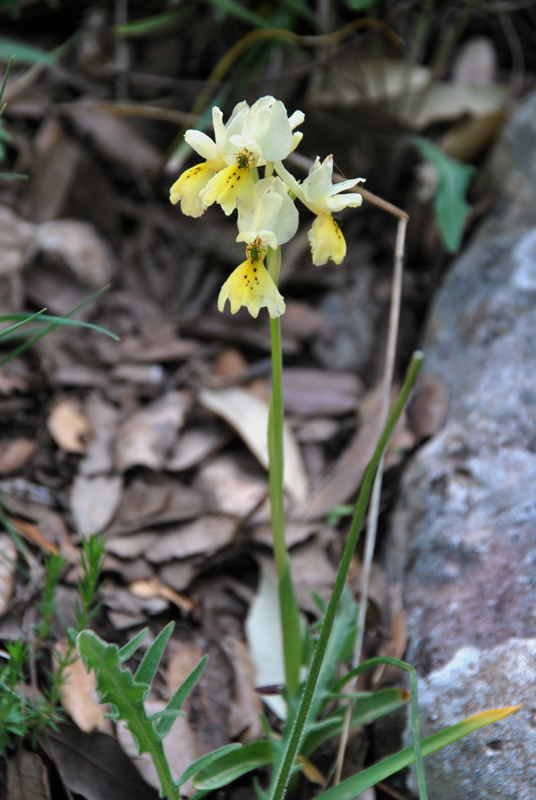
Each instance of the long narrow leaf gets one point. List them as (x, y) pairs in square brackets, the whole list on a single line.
[(367, 709), (147, 669), (206, 761), (350, 788), (173, 708), (130, 648), (234, 765), (25, 318)]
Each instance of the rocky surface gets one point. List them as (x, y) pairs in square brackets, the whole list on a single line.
[(463, 538)]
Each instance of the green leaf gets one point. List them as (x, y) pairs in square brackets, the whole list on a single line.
[(116, 685), (23, 52), (173, 708), (130, 648), (235, 764), (368, 707), (360, 5), (450, 205), (147, 669), (148, 25), (348, 789), (205, 761)]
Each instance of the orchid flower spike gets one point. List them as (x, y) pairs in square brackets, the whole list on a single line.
[(324, 198), (250, 285), (218, 154)]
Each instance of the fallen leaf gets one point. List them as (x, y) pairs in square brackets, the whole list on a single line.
[(95, 766), (312, 571), (429, 405), (265, 641), (31, 533), (155, 500), (69, 426), (193, 446), (131, 546), (248, 415), (79, 695), (77, 246), (103, 419), (205, 535), (229, 489), (445, 102), (151, 587), (244, 718), (316, 392), (116, 139), (14, 454), (8, 564), (94, 501), (27, 777), (148, 436), (475, 62)]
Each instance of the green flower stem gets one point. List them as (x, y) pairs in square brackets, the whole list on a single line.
[(290, 618), (283, 769)]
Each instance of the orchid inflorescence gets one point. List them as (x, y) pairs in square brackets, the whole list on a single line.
[(262, 135)]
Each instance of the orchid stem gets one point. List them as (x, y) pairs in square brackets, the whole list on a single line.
[(290, 618)]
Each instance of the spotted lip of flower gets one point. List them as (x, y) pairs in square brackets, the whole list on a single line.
[(250, 285), (218, 155)]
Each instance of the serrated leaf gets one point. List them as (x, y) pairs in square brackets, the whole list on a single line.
[(147, 669), (351, 787), (450, 205), (173, 708), (130, 648), (234, 764)]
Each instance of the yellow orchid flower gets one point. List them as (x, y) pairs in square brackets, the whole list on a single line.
[(250, 285), (266, 135), (323, 198), (218, 154)]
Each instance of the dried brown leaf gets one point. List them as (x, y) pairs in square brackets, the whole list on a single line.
[(229, 489), (69, 426), (94, 501), (148, 436), (193, 446), (315, 392), (246, 706), (151, 588), (248, 415), (429, 405), (27, 777), (95, 766), (8, 563), (79, 695), (205, 535), (14, 454)]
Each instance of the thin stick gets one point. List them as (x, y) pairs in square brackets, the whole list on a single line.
[(372, 520)]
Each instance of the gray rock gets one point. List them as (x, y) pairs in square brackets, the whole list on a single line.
[(463, 537)]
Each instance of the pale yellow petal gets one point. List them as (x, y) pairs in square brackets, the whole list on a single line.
[(231, 187), (188, 187), (250, 285), (326, 240)]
